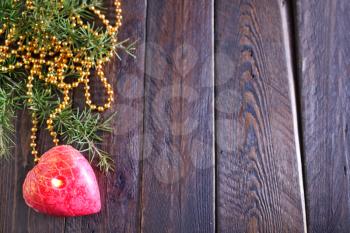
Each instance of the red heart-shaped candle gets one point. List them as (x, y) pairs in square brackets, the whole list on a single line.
[(62, 184)]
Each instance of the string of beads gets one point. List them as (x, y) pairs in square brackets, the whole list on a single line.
[(59, 57)]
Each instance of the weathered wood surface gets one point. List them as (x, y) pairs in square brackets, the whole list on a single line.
[(178, 159), (15, 216), (191, 159), (324, 87), (120, 190), (258, 173)]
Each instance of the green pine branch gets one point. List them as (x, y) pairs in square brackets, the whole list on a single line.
[(11, 88), (81, 128), (7, 114)]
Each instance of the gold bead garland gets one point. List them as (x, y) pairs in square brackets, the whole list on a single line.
[(59, 57)]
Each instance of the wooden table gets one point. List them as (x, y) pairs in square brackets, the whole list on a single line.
[(234, 117)]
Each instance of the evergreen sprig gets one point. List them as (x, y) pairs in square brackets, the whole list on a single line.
[(7, 114), (11, 90), (81, 128)]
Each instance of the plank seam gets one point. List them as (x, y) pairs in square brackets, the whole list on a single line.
[(293, 95), (143, 124), (214, 149)]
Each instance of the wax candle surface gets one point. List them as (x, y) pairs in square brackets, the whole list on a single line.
[(62, 184)]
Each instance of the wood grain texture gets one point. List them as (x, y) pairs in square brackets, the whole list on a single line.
[(123, 187), (323, 69), (119, 190), (15, 216), (258, 179), (178, 158), (38, 222)]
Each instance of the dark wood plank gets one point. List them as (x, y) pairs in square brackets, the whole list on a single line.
[(13, 172), (39, 222), (12, 175), (15, 216), (324, 67), (120, 189), (178, 171), (259, 180), (123, 187)]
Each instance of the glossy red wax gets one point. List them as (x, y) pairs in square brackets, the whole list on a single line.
[(62, 184)]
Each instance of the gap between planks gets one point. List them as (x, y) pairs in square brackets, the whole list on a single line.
[(285, 16)]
